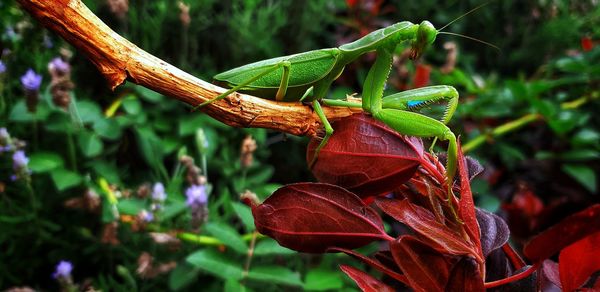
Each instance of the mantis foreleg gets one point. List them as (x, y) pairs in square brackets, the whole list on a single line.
[(405, 122)]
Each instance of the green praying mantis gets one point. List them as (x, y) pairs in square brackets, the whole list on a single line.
[(307, 77)]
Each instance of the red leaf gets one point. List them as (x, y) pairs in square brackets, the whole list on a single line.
[(435, 234), (466, 205), (351, 3), (465, 276), (312, 217), (373, 263), (366, 157), (425, 268), (551, 273), (494, 231), (578, 261), (566, 232), (587, 44), (365, 281), (421, 78)]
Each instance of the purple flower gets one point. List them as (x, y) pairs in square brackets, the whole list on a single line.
[(2, 67), (63, 270), (196, 195), (58, 65), (4, 134), (20, 160), (146, 216), (48, 42), (31, 80), (158, 192)]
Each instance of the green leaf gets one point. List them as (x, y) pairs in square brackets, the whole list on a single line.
[(234, 286), (183, 275), (107, 128), (580, 154), (149, 95), (172, 209), (89, 112), (275, 274), (60, 122), (64, 179), (44, 161), (268, 246), (89, 143), (131, 206), (106, 170), (215, 263), (19, 112), (586, 136), (132, 105), (582, 174), (227, 235), (321, 279), (245, 214), (149, 146)]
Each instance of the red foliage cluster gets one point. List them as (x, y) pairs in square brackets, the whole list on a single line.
[(449, 245)]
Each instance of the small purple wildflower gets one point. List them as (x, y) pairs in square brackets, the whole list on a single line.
[(10, 32), (48, 42), (31, 80), (63, 270), (196, 196), (20, 160), (57, 64), (4, 135), (146, 216), (2, 67), (158, 192)]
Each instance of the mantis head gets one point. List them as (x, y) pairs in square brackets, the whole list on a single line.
[(426, 34)]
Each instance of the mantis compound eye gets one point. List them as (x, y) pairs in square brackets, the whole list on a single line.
[(426, 34)]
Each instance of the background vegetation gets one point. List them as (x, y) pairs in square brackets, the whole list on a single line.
[(83, 189)]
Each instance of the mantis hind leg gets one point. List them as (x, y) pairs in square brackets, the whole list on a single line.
[(328, 130), (286, 65)]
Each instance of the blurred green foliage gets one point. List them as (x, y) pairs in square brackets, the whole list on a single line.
[(135, 137)]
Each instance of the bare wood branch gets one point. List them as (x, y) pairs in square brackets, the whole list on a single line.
[(119, 60)]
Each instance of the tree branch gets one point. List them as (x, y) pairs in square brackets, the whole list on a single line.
[(119, 60)]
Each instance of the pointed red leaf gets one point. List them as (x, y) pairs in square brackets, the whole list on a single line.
[(312, 217), (494, 231), (465, 276), (466, 205), (364, 281), (422, 221), (425, 268), (566, 232), (551, 273), (578, 261), (373, 263), (366, 157)]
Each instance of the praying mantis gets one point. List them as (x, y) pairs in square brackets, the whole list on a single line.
[(308, 76)]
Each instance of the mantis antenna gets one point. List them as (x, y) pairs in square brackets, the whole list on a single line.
[(471, 38), (464, 36), (465, 14)]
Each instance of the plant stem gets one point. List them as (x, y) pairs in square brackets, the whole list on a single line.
[(513, 278), (500, 130), (71, 149), (211, 241)]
